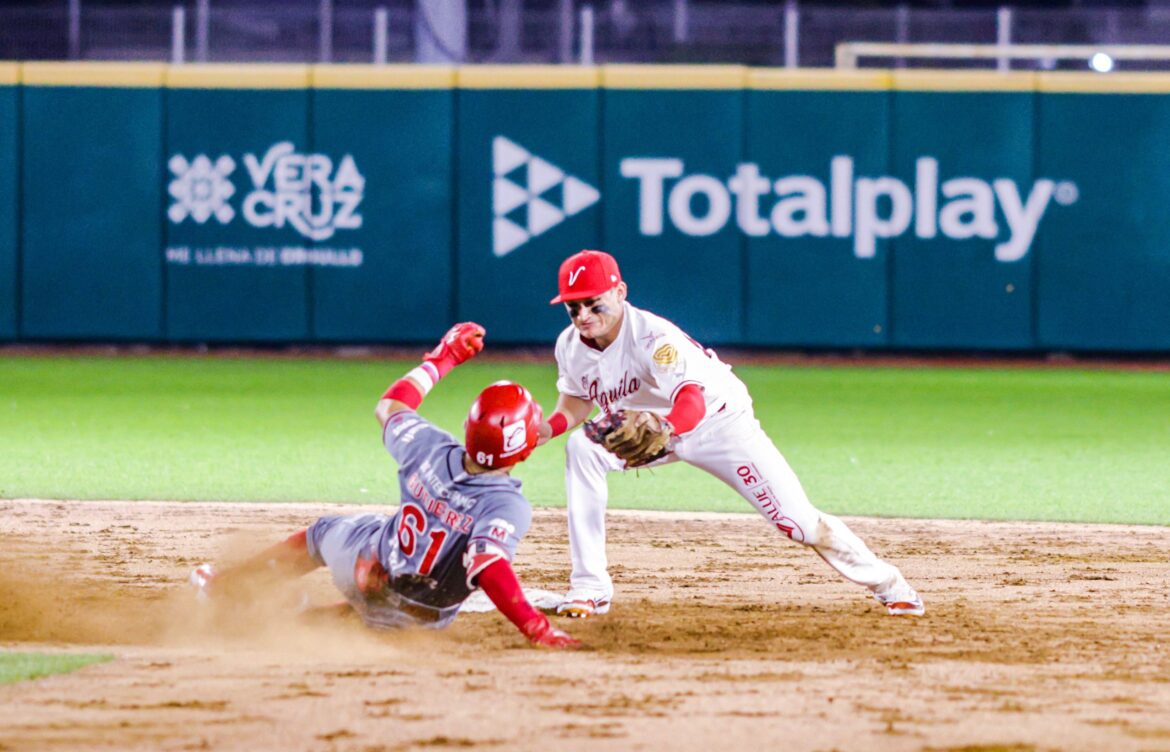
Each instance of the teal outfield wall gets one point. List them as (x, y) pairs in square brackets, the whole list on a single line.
[(91, 227), (908, 210), (9, 201)]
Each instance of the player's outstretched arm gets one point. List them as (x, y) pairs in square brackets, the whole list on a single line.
[(570, 412), (461, 343), (499, 581)]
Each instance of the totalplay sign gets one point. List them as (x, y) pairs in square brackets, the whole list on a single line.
[(864, 208)]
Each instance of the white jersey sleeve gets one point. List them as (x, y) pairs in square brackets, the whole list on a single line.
[(670, 359), (673, 362)]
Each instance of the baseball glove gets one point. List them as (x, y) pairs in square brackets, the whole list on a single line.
[(636, 436)]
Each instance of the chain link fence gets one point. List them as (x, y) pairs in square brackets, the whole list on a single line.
[(548, 31)]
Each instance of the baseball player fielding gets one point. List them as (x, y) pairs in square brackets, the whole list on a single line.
[(665, 398)]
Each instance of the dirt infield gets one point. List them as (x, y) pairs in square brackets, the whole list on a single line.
[(723, 636)]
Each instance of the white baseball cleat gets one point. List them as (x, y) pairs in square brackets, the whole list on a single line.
[(201, 578), (902, 603), (579, 607)]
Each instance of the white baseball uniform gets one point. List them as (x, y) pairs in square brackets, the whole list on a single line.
[(643, 369)]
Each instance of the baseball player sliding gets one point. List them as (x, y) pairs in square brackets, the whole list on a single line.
[(663, 398), (458, 525)]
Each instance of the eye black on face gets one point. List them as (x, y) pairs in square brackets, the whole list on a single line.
[(593, 305)]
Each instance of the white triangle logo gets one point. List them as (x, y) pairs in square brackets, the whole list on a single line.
[(542, 215), (578, 196), (541, 176), (506, 155), (507, 236), (506, 196)]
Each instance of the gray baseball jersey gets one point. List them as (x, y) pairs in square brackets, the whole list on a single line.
[(449, 527)]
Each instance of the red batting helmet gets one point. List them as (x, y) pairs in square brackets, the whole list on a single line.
[(501, 426)]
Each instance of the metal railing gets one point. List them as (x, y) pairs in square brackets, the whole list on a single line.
[(554, 31), (849, 54)]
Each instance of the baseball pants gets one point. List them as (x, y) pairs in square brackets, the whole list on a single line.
[(734, 448), (336, 542)]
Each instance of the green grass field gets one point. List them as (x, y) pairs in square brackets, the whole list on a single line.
[(16, 667), (1045, 444)]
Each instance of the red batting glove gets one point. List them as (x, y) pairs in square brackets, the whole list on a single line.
[(459, 344), (541, 632)]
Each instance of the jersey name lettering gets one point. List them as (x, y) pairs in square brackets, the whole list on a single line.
[(438, 507), (605, 398), (453, 496)]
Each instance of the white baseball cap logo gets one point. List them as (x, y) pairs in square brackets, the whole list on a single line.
[(573, 275)]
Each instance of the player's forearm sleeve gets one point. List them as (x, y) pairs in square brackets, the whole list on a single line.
[(558, 423), (500, 583), (405, 391), (689, 408)]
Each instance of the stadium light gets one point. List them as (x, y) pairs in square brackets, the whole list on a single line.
[(1101, 62)]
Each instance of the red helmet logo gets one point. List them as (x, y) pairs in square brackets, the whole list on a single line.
[(502, 425)]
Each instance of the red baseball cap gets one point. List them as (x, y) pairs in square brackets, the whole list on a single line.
[(586, 275)]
